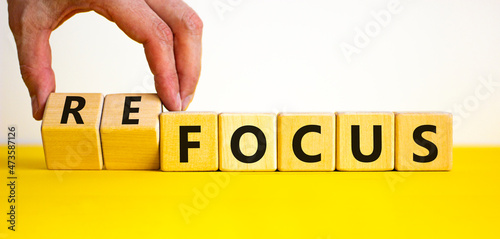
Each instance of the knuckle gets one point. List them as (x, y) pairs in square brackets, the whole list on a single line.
[(193, 22), (28, 20), (13, 23), (17, 19), (13, 26), (166, 80), (27, 72), (164, 33), (30, 73)]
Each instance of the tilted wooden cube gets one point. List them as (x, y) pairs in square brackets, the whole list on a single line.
[(189, 141), (306, 142), (247, 142), (70, 131), (130, 131), (424, 141), (365, 141)]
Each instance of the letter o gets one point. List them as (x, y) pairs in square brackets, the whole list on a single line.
[(261, 144)]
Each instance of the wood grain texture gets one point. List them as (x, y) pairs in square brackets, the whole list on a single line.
[(133, 145), (320, 143), (202, 158), (229, 123), (346, 160), (406, 146), (72, 145)]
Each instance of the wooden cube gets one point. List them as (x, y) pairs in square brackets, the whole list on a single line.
[(365, 141), (424, 141), (70, 131), (306, 142), (247, 142), (189, 141), (130, 131)]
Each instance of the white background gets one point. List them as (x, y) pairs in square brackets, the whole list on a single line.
[(275, 56)]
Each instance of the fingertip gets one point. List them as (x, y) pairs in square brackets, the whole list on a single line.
[(167, 88), (171, 101), (178, 102), (186, 102), (35, 108), (38, 103)]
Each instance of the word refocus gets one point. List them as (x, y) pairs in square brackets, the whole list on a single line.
[(130, 132)]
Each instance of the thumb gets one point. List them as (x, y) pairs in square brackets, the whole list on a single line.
[(35, 58)]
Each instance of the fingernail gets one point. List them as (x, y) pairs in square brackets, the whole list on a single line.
[(179, 102), (34, 105), (186, 102)]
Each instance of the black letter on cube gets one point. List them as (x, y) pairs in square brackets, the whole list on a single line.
[(127, 110), (297, 144), (184, 144), (68, 110), (261, 144), (433, 150), (377, 144)]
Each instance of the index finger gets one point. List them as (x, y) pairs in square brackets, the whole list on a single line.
[(187, 28), (143, 25)]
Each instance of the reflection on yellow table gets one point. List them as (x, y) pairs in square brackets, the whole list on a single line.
[(464, 202)]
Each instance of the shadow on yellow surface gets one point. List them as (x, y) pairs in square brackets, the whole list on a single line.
[(152, 204)]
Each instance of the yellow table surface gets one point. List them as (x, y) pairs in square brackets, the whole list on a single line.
[(464, 202)]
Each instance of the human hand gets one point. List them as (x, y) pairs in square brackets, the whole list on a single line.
[(169, 30)]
